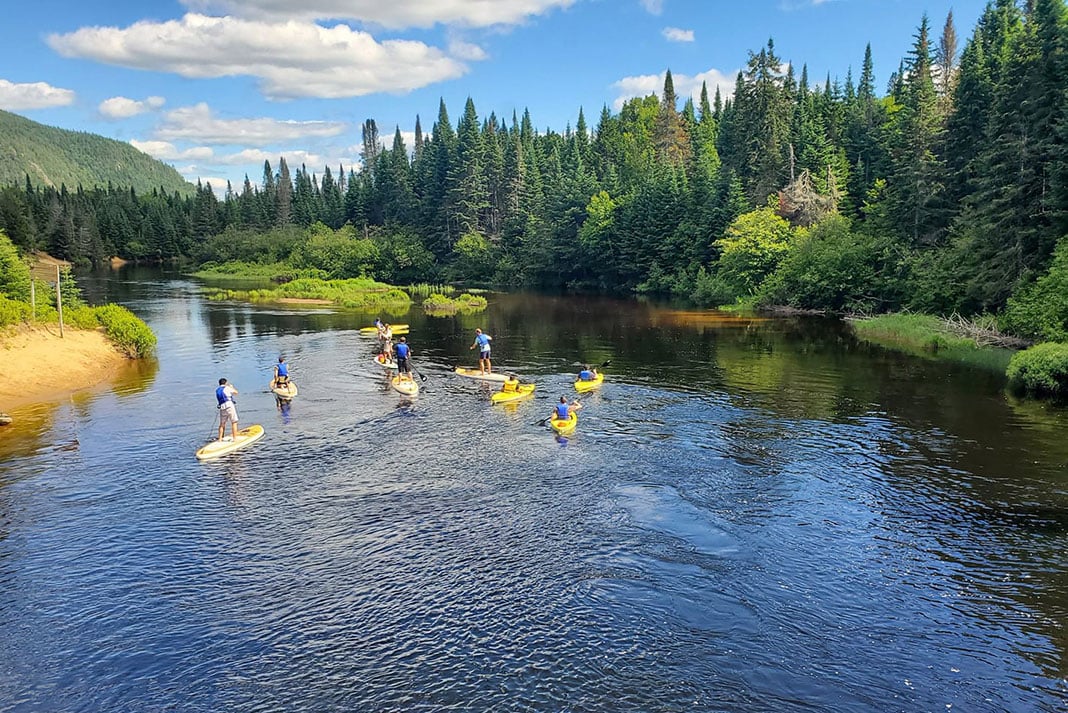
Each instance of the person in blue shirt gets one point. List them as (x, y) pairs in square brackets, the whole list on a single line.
[(482, 341), (587, 374), (563, 410), (402, 351), (281, 372), (227, 409)]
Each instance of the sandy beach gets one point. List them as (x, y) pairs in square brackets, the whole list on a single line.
[(39, 366)]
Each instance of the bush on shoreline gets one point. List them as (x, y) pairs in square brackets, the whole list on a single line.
[(1041, 370), (437, 305)]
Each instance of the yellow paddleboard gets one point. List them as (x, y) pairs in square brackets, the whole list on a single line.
[(284, 392), (395, 327), (245, 437), (403, 384)]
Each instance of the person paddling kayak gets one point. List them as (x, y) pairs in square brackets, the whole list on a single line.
[(587, 373), (563, 410)]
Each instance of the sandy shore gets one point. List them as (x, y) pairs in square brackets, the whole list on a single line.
[(40, 366)]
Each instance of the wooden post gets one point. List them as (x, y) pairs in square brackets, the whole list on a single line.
[(33, 299), (59, 303)]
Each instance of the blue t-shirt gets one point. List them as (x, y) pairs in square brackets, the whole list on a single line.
[(402, 350), (283, 370), (586, 375), (562, 411), (483, 342)]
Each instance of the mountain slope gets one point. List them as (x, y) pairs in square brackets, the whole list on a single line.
[(54, 156)]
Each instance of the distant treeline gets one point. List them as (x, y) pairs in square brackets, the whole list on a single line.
[(947, 192)]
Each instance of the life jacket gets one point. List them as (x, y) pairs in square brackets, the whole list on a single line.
[(221, 395), (282, 369), (586, 375), (510, 385), (562, 412)]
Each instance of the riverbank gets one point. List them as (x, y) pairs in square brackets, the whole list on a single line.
[(39, 365), (930, 337)]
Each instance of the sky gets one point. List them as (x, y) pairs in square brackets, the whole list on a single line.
[(216, 87)]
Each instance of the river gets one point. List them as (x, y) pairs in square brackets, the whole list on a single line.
[(752, 515)]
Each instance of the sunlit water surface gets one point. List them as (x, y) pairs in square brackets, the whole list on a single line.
[(753, 515)]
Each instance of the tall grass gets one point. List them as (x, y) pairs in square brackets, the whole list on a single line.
[(929, 337)]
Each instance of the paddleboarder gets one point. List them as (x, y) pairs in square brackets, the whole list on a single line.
[(403, 351), (482, 341), (227, 409)]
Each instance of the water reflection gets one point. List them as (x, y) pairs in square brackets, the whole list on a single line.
[(749, 514)]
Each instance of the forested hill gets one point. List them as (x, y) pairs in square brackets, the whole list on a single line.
[(54, 157)]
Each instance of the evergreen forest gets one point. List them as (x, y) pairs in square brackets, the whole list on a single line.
[(944, 191)]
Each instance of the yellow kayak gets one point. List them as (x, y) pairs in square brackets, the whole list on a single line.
[(397, 329), (521, 392), (593, 383), (220, 448), (403, 384), (564, 425)]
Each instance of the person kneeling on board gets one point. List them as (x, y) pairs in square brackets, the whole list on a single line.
[(227, 409)]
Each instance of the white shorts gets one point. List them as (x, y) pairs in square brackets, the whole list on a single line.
[(227, 413)]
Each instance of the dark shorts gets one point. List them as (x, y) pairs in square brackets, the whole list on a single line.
[(402, 364)]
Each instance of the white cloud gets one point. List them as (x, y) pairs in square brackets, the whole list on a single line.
[(654, 7), (124, 108), (396, 14), (35, 95), (674, 34), (198, 124), (466, 51), (646, 84), (166, 151), (291, 59)]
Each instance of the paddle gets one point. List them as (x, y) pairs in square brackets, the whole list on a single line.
[(412, 368)]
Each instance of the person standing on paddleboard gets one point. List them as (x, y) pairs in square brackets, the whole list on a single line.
[(482, 341), (403, 351), (227, 408)]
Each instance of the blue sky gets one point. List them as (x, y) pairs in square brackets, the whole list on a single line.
[(214, 87)]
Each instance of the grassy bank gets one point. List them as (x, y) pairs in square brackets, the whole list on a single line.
[(356, 293), (437, 305), (930, 338)]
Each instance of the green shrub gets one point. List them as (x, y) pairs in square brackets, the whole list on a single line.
[(1040, 310), (126, 330), (831, 268), (13, 312), (1041, 370), (81, 317), (14, 273)]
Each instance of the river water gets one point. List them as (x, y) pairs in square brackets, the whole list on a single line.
[(752, 515)]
